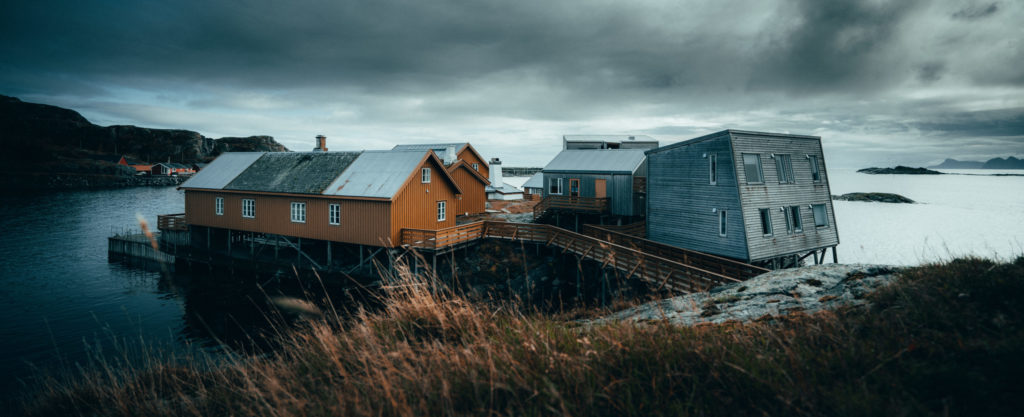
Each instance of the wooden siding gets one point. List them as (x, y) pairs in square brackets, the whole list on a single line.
[(773, 196), (362, 221), (680, 199), (619, 189), (470, 158), (474, 193), (415, 207)]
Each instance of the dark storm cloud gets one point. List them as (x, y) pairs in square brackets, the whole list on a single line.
[(976, 11)]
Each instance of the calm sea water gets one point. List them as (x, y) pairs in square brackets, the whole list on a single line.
[(60, 300)]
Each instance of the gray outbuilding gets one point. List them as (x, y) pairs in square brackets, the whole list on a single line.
[(583, 175), (758, 197)]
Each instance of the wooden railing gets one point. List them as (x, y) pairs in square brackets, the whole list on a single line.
[(442, 238), (657, 271), (724, 266), (574, 204), (171, 222), (638, 229)]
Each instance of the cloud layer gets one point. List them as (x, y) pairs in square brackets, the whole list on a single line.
[(930, 79)]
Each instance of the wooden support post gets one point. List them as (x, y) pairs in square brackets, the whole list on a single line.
[(579, 291), (277, 245), (252, 245), (298, 252), (229, 242), (328, 255), (433, 273), (816, 257), (360, 254), (207, 238), (835, 257), (577, 220)]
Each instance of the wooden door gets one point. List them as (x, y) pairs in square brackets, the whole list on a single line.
[(574, 187), (600, 188)]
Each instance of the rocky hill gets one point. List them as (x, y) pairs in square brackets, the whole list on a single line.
[(41, 140), (899, 170), (994, 163)]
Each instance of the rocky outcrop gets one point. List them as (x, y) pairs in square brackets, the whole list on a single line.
[(873, 197), (808, 289), (950, 163), (899, 170)]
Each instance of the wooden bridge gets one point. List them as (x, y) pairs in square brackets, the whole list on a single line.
[(663, 268)]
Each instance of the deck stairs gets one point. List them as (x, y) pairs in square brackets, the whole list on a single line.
[(662, 268)]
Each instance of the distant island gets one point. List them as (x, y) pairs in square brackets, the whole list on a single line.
[(994, 163), (899, 170), (49, 147), (873, 198)]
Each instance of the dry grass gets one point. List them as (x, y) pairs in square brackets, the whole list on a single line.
[(947, 339)]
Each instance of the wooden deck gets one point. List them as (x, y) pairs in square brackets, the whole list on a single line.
[(171, 222), (572, 204), (661, 272)]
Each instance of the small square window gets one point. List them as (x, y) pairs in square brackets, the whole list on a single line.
[(298, 212), (820, 215), (442, 212), (752, 168), (476, 166), (424, 175), (555, 186), (784, 167), (794, 224), (334, 214)]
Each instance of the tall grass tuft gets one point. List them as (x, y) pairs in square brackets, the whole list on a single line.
[(945, 339)]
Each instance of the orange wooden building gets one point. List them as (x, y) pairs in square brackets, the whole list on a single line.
[(363, 198), (468, 169)]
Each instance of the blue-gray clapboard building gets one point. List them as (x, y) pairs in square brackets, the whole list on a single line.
[(759, 197), (585, 174)]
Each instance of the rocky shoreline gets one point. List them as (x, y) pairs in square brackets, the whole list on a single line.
[(71, 181)]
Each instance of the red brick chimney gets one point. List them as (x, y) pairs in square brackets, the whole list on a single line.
[(321, 143)]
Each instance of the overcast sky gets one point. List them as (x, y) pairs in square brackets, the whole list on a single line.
[(882, 82)]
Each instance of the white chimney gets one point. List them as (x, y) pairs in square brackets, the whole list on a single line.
[(449, 155), (496, 173)]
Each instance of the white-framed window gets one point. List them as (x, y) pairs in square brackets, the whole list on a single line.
[(298, 212), (722, 222), (334, 214), (476, 166), (713, 168), (248, 208), (752, 168), (425, 175), (815, 170), (218, 206), (555, 186), (820, 215), (784, 167), (442, 210), (766, 221), (794, 223)]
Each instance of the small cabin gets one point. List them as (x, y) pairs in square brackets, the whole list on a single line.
[(759, 197), (363, 198), (466, 167), (606, 180), (534, 187)]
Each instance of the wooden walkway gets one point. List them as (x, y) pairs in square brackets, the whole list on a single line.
[(661, 272)]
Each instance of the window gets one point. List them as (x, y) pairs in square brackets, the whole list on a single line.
[(298, 212), (248, 208), (713, 168), (794, 224), (766, 222), (555, 186), (476, 166), (441, 211), (721, 222), (334, 214), (425, 175), (784, 166), (752, 168), (820, 217), (815, 171), (218, 206)]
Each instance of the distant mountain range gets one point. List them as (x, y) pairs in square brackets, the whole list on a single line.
[(994, 163), (40, 140)]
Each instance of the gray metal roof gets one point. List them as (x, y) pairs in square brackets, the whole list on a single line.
[(605, 161), (377, 174), (535, 181), (438, 148), (293, 172), (505, 189), (608, 138), (222, 170), (730, 132)]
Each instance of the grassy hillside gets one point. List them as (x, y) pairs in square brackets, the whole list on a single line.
[(944, 340)]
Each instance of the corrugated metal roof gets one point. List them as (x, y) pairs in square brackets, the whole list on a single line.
[(377, 174), (438, 148), (608, 138), (536, 181), (293, 172), (222, 170), (597, 160)]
